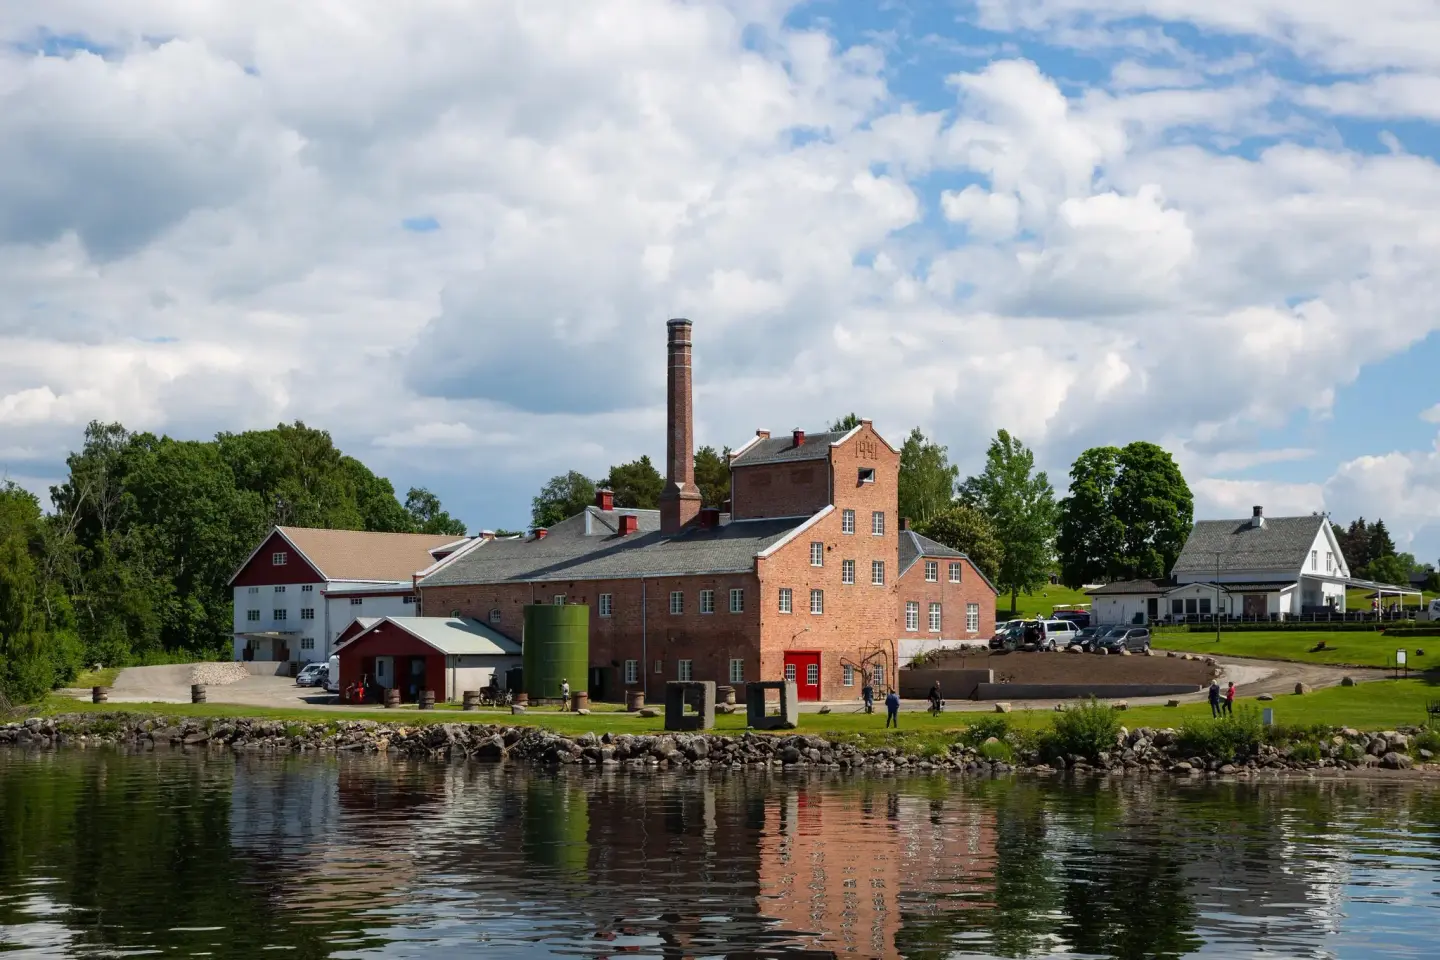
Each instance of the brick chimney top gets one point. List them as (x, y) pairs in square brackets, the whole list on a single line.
[(605, 498), (904, 523), (486, 534), (540, 533), (709, 516), (629, 523), (799, 437), (680, 499)]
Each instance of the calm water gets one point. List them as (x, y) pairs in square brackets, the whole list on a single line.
[(104, 854)]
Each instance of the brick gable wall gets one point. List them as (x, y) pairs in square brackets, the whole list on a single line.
[(779, 489), (952, 598)]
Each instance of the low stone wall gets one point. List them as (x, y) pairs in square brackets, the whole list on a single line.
[(1077, 691), (219, 674), (954, 684)]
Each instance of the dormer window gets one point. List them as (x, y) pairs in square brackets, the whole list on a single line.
[(867, 474)]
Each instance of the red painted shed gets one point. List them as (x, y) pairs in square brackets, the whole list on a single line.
[(445, 654)]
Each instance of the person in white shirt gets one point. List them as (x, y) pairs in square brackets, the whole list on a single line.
[(564, 694)]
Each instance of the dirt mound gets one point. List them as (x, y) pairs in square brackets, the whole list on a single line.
[(1060, 667)]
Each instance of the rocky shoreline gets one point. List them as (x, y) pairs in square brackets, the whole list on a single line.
[(1139, 752)]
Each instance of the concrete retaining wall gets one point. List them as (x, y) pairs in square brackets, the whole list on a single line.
[(1074, 691), (954, 684), (265, 668)]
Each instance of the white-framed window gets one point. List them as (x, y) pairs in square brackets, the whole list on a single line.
[(737, 671), (280, 589), (877, 523), (877, 572), (867, 474), (847, 521), (707, 601), (849, 678), (252, 615), (677, 602), (934, 618), (632, 671), (1329, 562), (558, 599), (812, 674), (879, 674), (495, 615), (307, 613), (972, 617), (790, 672), (932, 571), (279, 558), (307, 588), (847, 571), (409, 600), (737, 600), (307, 643), (817, 601), (912, 615), (252, 590), (786, 600), (357, 601), (685, 670), (607, 608), (954, 572), (817, 554), (279, 614), (659, 666), (1314, 559)]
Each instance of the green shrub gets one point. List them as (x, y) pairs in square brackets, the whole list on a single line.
[(1307, 752), (1085, 730), (997, 750), (985, 728), (1226, 738), (1429, 740)]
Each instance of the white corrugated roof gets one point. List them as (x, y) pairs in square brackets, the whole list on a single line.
[(458, 636)]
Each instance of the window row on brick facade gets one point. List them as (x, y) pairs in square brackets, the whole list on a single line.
[(912, 617), (606, 603), (847, 524), (787, 601), (932, 571), (684, 670)]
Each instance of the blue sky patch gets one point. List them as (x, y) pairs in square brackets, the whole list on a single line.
[(420, 224)]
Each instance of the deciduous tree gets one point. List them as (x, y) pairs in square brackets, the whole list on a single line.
[(563, 496), (1020, 504), (636, 484), (927, 480), (966, 529), (427, 516), (712, 475)]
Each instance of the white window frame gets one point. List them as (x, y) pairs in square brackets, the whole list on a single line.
[(607, 607), (307, 588), (307, 643), (279, 558), (252, 590), (1314, 559), (632, 671), (790, 672), (495, 615), (817, 602), (737, 670), (932, 571), (280, 589), (847, 571), (659, 666), (307, 613), (410, 600), (737, 599), (685, 670), (879, 674), (817, 553), (558, 600), (867, 475), (812, 674), (877, 573), (934, 618), (877, 523), (955, 571), (252, 616), (972, 618), (847, 522), (707, 601), (357, 601), (912, 616), (677, 602), (787, 600), (848, 679), (279, 613), (1329, 561)]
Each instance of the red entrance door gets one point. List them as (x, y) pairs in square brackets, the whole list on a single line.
[(803, 667)]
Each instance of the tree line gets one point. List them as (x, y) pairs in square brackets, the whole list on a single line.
[(132, 563), (1370, 552)]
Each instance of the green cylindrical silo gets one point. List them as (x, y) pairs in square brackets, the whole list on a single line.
[(556, 647)]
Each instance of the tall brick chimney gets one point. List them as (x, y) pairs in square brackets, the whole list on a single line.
[(680, 500)]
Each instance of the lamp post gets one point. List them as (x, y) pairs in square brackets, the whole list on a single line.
[(1216, 612)]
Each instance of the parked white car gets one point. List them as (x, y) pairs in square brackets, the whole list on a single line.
[(1432, 612)]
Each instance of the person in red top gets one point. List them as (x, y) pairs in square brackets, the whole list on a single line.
[(1230, 699)]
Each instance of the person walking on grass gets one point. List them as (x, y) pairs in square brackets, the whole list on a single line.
[(935, 702), (1214, 698), (1230, 700), (867, 693), (892, 710)]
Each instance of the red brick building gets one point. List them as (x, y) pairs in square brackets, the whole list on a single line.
[(803, 577)]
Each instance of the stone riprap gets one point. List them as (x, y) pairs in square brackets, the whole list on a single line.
[(1140, 752)]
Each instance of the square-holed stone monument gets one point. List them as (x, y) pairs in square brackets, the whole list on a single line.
[(700, 693), (755, 715)]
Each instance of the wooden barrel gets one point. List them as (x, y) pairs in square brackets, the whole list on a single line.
[(197, 693), (427, 699), (99, 694), (392, 697), (522, 698), (471, 700), (634, 700), (580, 700)]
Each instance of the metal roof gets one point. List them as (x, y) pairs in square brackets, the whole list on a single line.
[(782, 449), (1282, 544), (452, 636)]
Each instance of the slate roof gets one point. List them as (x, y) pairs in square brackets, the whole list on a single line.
[(587, 546), (453, 636), (913, 546), (1282, 545), (782, 449), (365, 555)]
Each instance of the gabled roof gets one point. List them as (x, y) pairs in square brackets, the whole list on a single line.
[(1281, 545), (588, 546), (359, 554), (913, 546), (452, 636), (1131, 587), (782, 449)]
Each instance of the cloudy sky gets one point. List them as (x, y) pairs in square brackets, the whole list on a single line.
[(450, 232)]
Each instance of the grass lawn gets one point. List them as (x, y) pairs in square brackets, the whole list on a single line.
[(1366, 649), (1359, 600), (1378, 705), (1040, 602)]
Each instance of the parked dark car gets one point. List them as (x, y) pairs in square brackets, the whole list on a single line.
[(1086, 638), (1124, 638), (1007, 635)]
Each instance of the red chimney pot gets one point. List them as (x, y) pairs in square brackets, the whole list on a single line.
[(629, 523), (605, 498), (904, 523), (799, 437), (540, 533)]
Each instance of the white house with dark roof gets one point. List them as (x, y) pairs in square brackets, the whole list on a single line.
[(1256, 568)]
